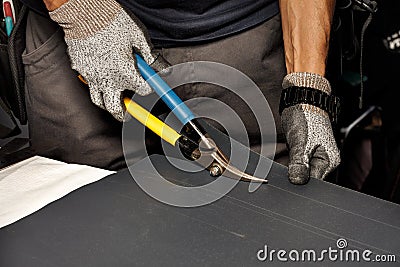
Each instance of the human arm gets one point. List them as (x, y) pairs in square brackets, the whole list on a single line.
[(306, 28), (54, 4)]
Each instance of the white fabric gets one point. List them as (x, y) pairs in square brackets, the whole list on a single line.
[(35, 182)]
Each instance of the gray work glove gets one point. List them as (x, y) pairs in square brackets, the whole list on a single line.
[(101, 39), (312, 147)]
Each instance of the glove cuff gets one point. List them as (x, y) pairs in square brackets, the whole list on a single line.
[(83, 18), (306, 79)]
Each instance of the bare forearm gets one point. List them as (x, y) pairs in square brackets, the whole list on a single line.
[(306, 28), (53, 4)]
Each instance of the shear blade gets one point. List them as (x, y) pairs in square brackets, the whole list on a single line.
[(215, 155), (234, 173)]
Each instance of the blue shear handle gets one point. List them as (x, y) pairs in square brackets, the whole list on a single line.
[(181, 111)]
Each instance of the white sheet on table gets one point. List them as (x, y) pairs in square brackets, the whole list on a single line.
[(31, 184)]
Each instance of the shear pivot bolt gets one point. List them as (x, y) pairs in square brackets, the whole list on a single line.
[(215, 171)]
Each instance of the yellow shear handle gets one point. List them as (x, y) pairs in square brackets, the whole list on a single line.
[(150, 121)]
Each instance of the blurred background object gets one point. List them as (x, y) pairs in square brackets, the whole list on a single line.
[(364, 68)]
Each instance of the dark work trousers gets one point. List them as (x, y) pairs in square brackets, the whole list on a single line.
[(63, 122), (65, 125)]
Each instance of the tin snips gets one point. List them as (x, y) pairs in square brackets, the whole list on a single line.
[(195, 144)]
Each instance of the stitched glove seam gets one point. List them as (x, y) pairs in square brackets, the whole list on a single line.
[(307, 79)]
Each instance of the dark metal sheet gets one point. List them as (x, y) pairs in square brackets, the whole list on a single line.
[(114, 223)]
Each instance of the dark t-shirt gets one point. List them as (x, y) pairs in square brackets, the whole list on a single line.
[(183, 22)]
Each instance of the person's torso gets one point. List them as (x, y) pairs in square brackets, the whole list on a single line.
[(185, 22)]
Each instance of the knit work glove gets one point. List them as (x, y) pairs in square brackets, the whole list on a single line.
[(101, 39), (312, 147)]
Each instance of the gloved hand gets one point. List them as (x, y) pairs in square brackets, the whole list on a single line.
[(101, 39), (312, 147)]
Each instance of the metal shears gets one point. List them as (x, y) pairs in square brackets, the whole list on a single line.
[(199, 146)]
